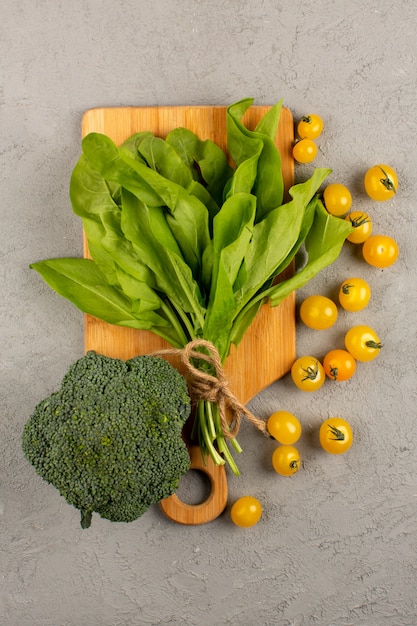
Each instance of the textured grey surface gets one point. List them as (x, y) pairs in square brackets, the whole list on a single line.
[(337, 542)]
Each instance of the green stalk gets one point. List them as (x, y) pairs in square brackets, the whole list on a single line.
[(173, 318), (205, 435), (187, 323), (224, 450), (234, 442), (222, 444), (210, 420)]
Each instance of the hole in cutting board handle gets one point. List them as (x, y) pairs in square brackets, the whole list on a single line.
[(193, 514), (194, 487)]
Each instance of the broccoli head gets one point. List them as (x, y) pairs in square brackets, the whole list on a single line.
[(110, 439)]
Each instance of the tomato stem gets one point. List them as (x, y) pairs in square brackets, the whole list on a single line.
[(387, 182), (376, 345), (338, 435), (311, 372), (360, 220), (334, 371)]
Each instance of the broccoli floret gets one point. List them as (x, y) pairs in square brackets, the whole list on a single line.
[(110, 439)]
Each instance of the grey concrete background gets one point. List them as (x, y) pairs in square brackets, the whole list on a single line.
[(337, 542)]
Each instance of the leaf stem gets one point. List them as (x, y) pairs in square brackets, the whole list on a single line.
[(224, 450), (205, 436), (210, 421), (173, 318), (222, 443)]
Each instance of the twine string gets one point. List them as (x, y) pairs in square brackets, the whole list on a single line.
[(212, 387)]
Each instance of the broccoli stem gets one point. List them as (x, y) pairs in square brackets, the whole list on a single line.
[(86, 517)]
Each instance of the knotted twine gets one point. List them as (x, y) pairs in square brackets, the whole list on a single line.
[(212, 387)]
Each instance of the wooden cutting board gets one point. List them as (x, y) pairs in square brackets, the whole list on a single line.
[(268, 349)]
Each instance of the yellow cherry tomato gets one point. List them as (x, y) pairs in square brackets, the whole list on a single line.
[(286, 460), (380, 251), (336, 435), (284, 427), (363, 343), (246, 512), (354, 294), (304, 151), (310, 126), (337, 199), (307, 373), (339, 365), (381, 182), (318, 312), (362, 224)]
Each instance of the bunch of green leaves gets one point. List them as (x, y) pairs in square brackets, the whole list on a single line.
[(188, 246)]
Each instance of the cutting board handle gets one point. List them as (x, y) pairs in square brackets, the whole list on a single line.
[(212, 507)]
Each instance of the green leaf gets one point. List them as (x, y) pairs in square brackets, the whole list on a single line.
[(275, 237), (268, 124), (244, 149), (89, 193), (233, 231), (243, 321), (81, 282), (105, 158), (307, 222), (163, 158), (92, 200), (132, 144), (233, 227), (323, 245), (245, 318), (207, 162), (188, 217), (257, 157), (241, 144), (152, 240), (199, 191)]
